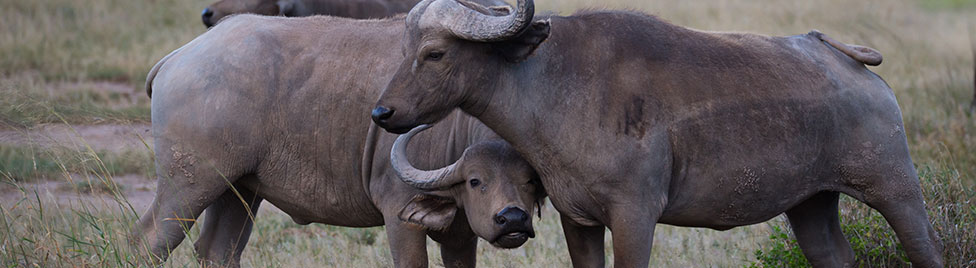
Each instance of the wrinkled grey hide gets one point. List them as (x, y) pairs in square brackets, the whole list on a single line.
[(633, 121)]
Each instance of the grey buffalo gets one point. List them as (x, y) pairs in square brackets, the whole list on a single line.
[(632, 121), (358, 9), (277, 109)]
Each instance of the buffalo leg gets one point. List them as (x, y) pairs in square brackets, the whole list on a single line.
[(226, 228), (186, 185), (459, 245), (408, 244), (817, 227), (877, 169), (914, 231), (904, 209), (633, 236), (460, 253), (585, 243)]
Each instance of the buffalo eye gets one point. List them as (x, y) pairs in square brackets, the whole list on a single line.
[(475, 182), (435, 56)]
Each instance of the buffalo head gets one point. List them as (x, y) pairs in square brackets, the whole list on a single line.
[(496, 188), (453, 52), (222, 8)]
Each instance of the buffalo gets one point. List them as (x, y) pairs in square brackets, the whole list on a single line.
[(358, 9), (632, 121), (270, 108)]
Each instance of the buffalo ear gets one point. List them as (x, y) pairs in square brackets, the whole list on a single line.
[(540, 196), (286, 8), (429, 211), (522, 46)]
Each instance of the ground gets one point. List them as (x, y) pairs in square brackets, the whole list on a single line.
[(367, 246)]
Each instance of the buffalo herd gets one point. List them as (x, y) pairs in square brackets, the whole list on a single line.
[(621, 119)]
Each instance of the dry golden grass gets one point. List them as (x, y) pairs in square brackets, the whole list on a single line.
[(47, 44)]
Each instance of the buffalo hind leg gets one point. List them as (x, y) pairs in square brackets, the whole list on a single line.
[(226, 228), (817, 227), (904, 210), (186, 185), (585, 243)]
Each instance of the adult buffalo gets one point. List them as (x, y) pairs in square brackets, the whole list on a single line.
[(358, 9), (269, 108), (633, 121)]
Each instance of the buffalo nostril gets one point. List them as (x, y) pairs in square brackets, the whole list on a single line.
[(381, 113), (500, 220), (207, 17), (512, 215)]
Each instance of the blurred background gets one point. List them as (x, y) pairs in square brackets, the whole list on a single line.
[(76, 164)]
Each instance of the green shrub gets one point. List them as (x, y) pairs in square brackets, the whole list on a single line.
[(782, 252)]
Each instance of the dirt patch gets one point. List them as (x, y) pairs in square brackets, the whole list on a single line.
[(136, 190), (112, 94), (109, 138)]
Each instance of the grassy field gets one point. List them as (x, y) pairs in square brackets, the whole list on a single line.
[(70, 201)]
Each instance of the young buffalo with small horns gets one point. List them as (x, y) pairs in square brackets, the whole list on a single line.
[(633, 121), (277, 109)]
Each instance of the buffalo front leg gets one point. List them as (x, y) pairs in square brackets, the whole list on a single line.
[(817, 227), (459, 245), (408, 244), (585, 243), (461, 253), (633, 236), (226, 228)]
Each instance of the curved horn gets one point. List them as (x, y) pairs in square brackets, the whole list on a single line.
[(470, 24), (420, 179)]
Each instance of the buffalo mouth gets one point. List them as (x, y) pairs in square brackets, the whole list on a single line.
[(398, 130), (513, 239), (392, 128)]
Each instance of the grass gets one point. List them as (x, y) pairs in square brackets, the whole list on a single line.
[(113, 40), (28, 100), (84, 62), (38, 230), (33, 163)]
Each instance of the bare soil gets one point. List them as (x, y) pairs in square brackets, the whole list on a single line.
[(109, 138), (136, 188)]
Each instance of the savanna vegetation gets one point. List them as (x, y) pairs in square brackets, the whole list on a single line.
[(77, 67)]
